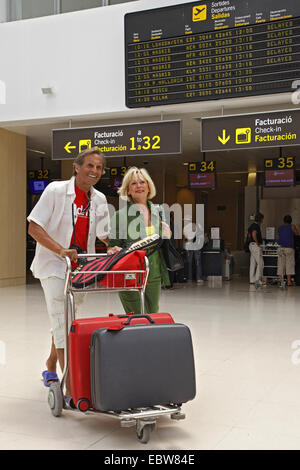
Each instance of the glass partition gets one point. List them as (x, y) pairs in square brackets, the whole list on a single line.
[(24, 9), (75, 5), (115, 2)]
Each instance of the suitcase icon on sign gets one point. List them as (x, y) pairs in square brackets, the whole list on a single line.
[(243, 135), (84, 144)]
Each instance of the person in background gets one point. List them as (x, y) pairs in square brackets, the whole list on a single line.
[(65, 222), (193, 252), (138, 219), (256, 259), (286, 251)]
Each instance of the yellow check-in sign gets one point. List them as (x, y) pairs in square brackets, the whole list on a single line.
[(200, 13), (84, 144), (243, 135), (268, 163)]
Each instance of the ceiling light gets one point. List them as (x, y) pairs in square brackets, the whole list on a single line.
[(36, 151)]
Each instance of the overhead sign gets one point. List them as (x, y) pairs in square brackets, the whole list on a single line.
[(38, 174), (209, 50), (280, 163), (120, 140), (202, 167), (276, 129)]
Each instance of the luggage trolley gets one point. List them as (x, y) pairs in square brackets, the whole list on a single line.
[(270, 257), (144, 419)]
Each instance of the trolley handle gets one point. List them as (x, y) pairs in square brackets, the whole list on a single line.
[(69, 266), (139, 316)]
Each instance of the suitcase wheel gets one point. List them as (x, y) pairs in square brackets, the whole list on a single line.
[(83, 404), (143, 431), (55, 399)]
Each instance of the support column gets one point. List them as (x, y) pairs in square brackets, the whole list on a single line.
[(66, 169), (3, 11), (12, 208)]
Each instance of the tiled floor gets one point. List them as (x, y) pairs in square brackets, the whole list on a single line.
[(248, 376)]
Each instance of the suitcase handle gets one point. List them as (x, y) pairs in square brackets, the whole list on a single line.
[(138, 316), (121, 325)]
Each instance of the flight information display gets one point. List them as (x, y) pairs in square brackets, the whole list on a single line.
[(202, 175), (280, 172), (211, 50)]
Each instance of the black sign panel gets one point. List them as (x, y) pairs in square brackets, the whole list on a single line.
[(210, 50), (280, 163), (120, 140), (38, 174), (202, 167), (275, 129)]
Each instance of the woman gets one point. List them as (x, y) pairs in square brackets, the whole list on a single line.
[(138, 219), (286, 251)]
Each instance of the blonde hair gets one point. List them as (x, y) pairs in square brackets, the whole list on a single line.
[(131, 173)]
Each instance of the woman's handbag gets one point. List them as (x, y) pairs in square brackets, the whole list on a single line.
[(173, 258)]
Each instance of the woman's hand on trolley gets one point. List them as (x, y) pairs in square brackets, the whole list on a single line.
[(113, 249)]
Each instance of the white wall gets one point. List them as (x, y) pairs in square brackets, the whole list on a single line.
[(79, 54)]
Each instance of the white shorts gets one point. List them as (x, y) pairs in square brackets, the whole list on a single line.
[(53, 288), (286, 261)]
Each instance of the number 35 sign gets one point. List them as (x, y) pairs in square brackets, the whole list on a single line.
[(120, 140)]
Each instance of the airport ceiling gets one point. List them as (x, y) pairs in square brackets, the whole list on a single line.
[(238, 161)]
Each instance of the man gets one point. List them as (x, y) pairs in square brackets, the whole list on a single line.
[(256, 259), (192, 235), (66, 220)]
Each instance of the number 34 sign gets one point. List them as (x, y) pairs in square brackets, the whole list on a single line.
[(202, 167)]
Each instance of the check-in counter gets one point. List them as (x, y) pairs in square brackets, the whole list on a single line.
[(216, 260), (213, 258)]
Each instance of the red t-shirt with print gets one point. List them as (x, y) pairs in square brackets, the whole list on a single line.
[(81, 220)]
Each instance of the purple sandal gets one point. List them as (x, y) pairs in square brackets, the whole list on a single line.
[(49, 376)]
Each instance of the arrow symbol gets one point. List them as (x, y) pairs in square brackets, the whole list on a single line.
[(224, 139), (68, 146)]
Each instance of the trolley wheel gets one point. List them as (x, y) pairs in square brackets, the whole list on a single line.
[(144, 433), (55, 399)]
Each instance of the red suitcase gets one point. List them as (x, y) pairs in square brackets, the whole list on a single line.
[(79, 350)]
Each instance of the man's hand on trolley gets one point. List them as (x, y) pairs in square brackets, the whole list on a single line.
[(70, 253)]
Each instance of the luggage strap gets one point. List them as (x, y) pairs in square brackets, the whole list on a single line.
[(86, 273)]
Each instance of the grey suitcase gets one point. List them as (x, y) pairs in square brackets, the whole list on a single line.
[(141, 366)]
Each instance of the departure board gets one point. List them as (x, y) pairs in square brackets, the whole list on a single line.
[(211, 50)]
